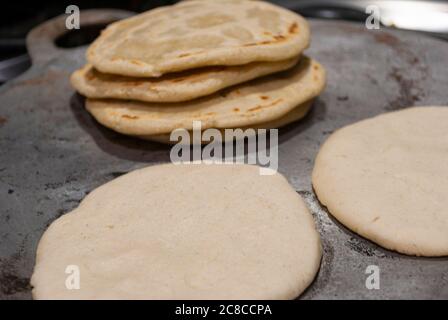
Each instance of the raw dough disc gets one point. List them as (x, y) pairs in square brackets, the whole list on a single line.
[(386, 178), (191, 231)]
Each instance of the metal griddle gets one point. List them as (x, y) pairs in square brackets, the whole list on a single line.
[(52, 153)]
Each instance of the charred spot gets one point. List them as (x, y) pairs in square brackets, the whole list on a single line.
[(90, 76), (255, 108), (183, 55), (138, 63), (294, 28), (187, 54), (236, 109), (133, 83), (257, 43), (264, 97), (275, 102), (129, 117), (265, 106)]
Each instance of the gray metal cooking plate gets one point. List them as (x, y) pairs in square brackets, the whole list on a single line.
[(52, 153)]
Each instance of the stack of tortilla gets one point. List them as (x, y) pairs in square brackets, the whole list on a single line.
[(226, 63)]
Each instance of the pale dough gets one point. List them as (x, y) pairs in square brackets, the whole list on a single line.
[(386, 178), (183, 232)]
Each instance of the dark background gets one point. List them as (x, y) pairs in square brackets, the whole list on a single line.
[(17, 18)]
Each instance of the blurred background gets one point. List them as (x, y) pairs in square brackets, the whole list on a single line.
[(18, 18)]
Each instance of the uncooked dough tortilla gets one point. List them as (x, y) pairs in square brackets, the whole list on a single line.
[(190, 231), (174, 87), (386, 178), (194, 34)]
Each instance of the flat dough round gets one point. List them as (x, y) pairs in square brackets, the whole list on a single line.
[(199, 33), (386, 178), (257, 101), (292, 116), (173, 87), (191, 231)]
